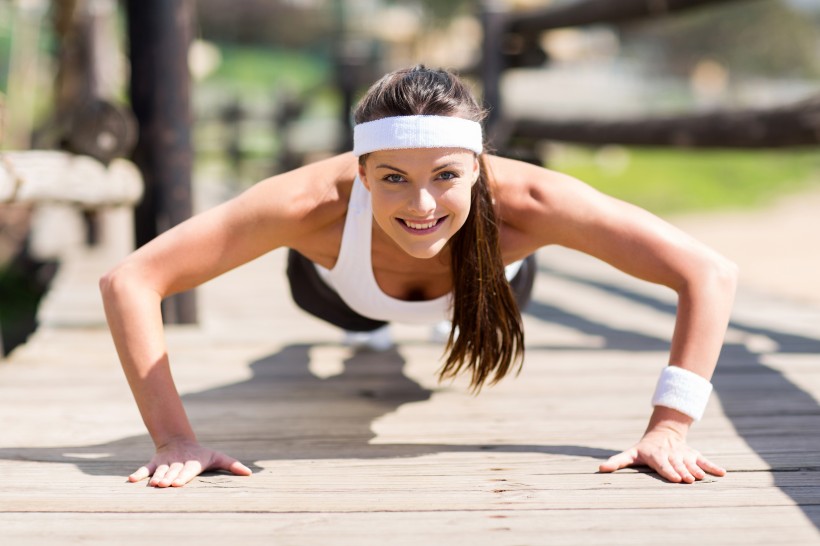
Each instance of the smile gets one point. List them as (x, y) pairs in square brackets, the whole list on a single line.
[(421, 227)]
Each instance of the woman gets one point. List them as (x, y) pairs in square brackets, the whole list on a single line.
[(418, 224)]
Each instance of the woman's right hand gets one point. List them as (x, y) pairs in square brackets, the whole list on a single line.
[(178, 462)]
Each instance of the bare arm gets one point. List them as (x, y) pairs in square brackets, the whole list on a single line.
[(551, 208), (280, 211)]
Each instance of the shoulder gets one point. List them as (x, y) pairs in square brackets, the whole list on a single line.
[(541, 204), (294, 208), (305, 200)]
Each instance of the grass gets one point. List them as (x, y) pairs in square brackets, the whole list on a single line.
[(667, 181), (246, 68)]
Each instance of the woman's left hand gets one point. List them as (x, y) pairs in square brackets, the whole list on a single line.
[(666, 451)]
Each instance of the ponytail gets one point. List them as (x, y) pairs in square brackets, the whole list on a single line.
[(487, 336)]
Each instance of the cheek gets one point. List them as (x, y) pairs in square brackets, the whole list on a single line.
[(380, 201), (459, 201), (383, 208)]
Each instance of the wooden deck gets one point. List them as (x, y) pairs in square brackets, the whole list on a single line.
[(366, 448)]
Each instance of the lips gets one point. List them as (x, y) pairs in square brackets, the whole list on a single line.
[(425, 226)]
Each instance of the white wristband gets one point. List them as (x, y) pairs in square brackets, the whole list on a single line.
[(682, 390)]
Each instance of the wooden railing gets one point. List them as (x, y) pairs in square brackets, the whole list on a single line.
[(511, 40)]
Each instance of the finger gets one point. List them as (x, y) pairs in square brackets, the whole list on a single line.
[(239, 469), (191, 470), (621, 460), (159, 474), (224, 462), (692, 465), (710, 467), (680, 469), (665, 468), (141, 473), (170, 476)]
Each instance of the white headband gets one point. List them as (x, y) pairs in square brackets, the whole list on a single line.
[(417, 132)]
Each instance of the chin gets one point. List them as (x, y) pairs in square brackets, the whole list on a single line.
[(425, 253)]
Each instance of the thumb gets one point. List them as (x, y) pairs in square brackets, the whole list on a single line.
[(231, 465), (621, 460), (239, 469)]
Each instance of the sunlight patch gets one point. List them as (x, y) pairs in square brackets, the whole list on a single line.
[(327, 361), (86, 455)]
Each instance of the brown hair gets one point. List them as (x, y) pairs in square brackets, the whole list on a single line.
[(487, 336)]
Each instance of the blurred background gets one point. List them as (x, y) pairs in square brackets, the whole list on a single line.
[(679, 106)]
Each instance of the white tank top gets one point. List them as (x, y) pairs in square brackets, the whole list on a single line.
[(352, 276)]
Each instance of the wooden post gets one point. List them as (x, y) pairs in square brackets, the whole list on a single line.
[(343, 59), (493, 18), (160, 34)]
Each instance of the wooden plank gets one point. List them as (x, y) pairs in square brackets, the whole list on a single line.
[(590, 12), (38, 176), (438, 482), (734, 526), (367, 447), (778, 127)]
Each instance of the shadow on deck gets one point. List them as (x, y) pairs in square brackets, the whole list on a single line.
[(761, 403), (285, 412)]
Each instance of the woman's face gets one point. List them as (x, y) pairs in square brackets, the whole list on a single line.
[(421, 196)]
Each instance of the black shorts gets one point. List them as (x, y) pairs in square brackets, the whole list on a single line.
[(311, 293)]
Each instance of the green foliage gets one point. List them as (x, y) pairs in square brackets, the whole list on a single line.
[(666, 180), (12, 27), (20, 293), (17, 292), (5, 48), (757, 37), (441, 11), (267, 69)]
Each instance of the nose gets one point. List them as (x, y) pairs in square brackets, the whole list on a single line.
[(422, 202)]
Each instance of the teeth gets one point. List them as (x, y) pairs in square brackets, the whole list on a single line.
[(414, 225)]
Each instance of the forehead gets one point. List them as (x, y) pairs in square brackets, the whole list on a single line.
[(421, 156)]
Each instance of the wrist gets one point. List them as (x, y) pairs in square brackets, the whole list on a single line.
[(669, 420), (180, 439), (682, 390)]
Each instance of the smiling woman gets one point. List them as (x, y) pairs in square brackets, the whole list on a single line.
[(420, 225), (419, 142), (420, 192)]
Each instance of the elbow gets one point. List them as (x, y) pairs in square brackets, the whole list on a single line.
[(110, 283), (132, 279), (117, 281), (705, 271), (718, 274), (726, 274), (109, 286), (106, 283)]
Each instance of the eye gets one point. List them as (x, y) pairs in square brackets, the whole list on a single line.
[(448, 175), (393, 178)]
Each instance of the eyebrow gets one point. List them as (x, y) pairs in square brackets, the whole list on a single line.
[(392, 168)]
